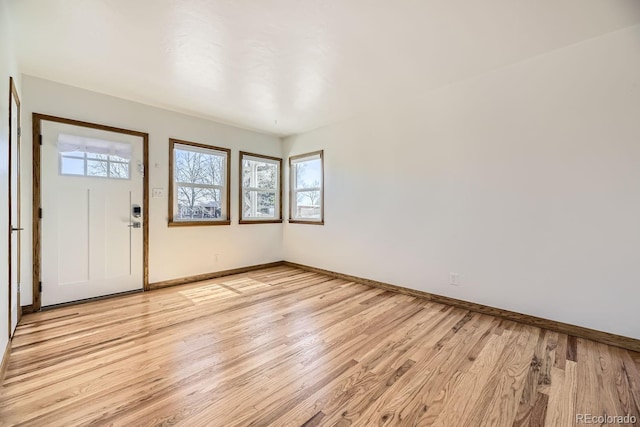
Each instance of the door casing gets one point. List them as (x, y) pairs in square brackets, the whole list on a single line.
[(37, 230), (14, 98)]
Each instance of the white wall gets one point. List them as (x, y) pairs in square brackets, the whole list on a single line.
[(8, 68), (178, 251), (525, 181)]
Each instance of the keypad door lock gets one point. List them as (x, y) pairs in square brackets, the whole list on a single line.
[(136, 211)]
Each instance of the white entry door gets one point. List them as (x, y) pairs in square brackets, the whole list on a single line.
[(91, 198)]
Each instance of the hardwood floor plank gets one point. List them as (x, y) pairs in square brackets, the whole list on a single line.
[(283, 346), (636, 358), (625, 391), (539, 411), (612, 401), (538, 377), (572, 352), (562, 397), (315, 420), (589, 380), (503, 391), (561, 351)]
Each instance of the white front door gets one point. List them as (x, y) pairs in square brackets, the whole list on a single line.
[(91, 198)]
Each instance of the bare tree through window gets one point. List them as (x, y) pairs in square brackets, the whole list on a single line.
[(107, 166), (199, 176), (94, 165)]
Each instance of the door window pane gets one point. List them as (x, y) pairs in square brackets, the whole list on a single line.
[(119, 170), (97, 168), (93, 165), (71, 166)]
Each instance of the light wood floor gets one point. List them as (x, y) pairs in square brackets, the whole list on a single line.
[(286, 347)]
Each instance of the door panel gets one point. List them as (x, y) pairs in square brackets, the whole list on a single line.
[(73, 266), (117, 259), (89, 247)]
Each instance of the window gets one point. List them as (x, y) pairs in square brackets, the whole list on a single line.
[(82, 156), (306, 197), (198, 184), (91, 164), (260, 189)]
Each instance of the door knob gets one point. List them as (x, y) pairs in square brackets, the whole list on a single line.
[(16, 229), (135, 224)]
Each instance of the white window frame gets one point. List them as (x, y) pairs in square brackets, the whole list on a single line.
[(86, 160), (276, 191), (293, 190), (225, 217)]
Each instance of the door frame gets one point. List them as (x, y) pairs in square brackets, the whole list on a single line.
[(13, 97), (37, 226)]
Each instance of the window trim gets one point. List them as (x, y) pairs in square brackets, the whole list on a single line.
[(241, 188), (292, 188), (171, 221)]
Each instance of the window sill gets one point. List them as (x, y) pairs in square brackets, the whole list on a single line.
[(197, 223), (260, 221), (300, 221)]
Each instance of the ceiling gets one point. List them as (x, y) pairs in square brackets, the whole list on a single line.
[(288, 66)]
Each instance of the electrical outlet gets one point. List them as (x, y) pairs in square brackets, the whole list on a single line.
[(157, 192), (454, 279)]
